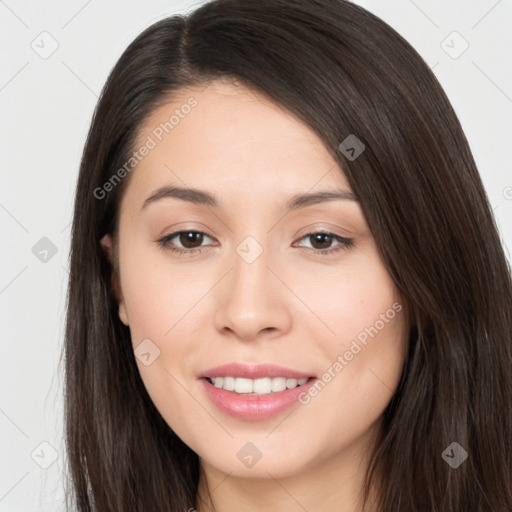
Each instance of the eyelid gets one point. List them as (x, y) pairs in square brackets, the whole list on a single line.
[(327, 228)]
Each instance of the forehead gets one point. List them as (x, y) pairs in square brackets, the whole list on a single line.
[(224, 136)]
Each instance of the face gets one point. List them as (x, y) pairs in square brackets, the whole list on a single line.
[(281, 291)]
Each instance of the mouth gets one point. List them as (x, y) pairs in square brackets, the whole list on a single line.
[(254, 392)]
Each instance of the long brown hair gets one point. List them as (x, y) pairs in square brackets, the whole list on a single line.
[(342, 71)]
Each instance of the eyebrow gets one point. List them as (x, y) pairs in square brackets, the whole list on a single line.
[(201, 197)]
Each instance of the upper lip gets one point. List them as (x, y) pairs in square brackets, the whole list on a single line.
[(253, 371)]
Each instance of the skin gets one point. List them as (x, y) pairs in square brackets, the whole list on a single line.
[(292, 306)]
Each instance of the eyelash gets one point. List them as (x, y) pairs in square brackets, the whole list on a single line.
[(345, 243)]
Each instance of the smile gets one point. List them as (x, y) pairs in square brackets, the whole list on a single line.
[(254, 392)]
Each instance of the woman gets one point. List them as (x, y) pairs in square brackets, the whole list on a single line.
[(287, 290)]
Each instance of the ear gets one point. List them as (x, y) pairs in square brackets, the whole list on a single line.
[(106, 243)]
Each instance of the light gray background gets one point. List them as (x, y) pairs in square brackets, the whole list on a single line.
[(46, 106)]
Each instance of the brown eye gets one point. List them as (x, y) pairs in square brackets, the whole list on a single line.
[(190, 239), (184, 241), (321, 240)]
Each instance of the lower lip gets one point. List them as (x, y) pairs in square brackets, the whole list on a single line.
[(253, 407)]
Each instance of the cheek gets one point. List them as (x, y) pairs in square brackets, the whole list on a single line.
[(157, 295), (349, 300), (163, 305), (158, 301), (365, 345)]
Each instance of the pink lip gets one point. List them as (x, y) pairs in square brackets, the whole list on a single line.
[(253, 407), (254, 371)]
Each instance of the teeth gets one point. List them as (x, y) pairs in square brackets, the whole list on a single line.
[(243, 385), (228, 384), (262, 386), (278, 384), (291, 383)]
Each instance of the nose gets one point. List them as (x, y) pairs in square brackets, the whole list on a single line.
[(254, 302)]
